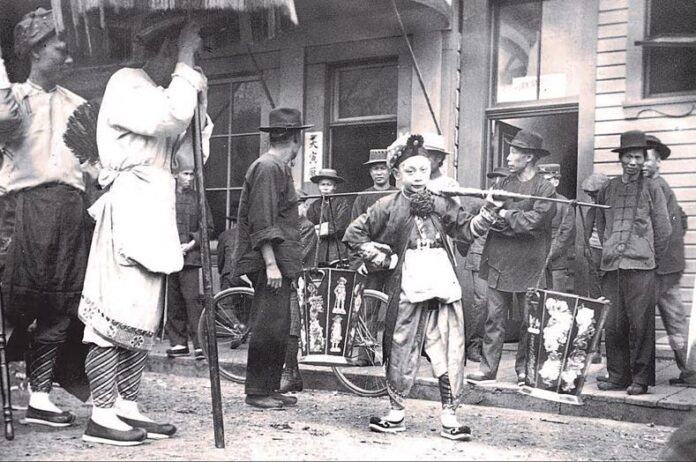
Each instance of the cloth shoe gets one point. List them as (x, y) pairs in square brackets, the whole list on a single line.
[(154, 430), (460, 433), (382, 425), (521, 379), (198, 353), (602, 378), (286, 400), (291, 380), (637, 389), (177, 351), (263, 402), (95, 433), (479, 378), (610, 386), (52, 419), (681, 382)]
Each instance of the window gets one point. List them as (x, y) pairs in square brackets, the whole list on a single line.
[(669, 48), (365, 91), (235, 107), (537, 50)]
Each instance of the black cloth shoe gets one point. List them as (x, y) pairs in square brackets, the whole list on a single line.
[(637, 389), (681, 382), (176, 352), (291, 380), (461, 433), (263, 402), (198, 353), (52, 419), (602, 378), (95, 433), (381, 425), (286, 400), (610, 386), (154, 430), (478, 378)]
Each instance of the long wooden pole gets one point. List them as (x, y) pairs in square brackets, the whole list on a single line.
[(218, 425)]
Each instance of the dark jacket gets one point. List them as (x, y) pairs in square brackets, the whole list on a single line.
[(187, 224), (563, 235), (515, 254), (642, 248), (337, 214), (362, 203), (227, 242), (673, 259), (268, 214)]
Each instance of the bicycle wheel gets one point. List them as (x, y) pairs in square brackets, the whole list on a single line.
[(368, 377), (232, 324)]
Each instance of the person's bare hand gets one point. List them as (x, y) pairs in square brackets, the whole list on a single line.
[(273, 277), (492, 204), (189, 42)]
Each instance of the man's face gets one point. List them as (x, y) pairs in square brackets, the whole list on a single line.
[(517, 160), (632, 161), (185, 179), (51, 57), (379, 174), (553, 179), (651, 166), (327, 186), (414, 173), (436, 159)]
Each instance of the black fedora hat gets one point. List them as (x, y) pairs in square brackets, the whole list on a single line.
[(498, 172), (284, 118), (530, 141), (662, 149), (328, 174), (632, 139)]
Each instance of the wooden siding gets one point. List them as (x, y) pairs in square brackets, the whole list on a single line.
[(610, 121)]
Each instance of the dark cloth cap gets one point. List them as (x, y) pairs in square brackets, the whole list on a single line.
[(377, 156), (498, 172), (326, 173), (284, 118), (550, 169), (530, 141), (32, 29), (662, 149), (632, 139)]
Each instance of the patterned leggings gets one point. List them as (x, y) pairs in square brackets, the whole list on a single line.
[(42, 359), (111, 368)]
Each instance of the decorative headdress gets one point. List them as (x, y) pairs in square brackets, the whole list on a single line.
[(399, 151)]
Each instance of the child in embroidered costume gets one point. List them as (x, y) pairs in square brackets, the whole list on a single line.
[(406, 232)]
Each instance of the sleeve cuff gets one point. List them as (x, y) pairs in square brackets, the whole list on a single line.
[(272, 234), (193, 77)]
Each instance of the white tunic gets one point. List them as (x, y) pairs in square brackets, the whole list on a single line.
[(135, 240)]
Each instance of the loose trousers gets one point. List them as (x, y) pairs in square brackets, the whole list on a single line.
[(630, 326), (184, 307), (475, 313), (673, 314), (269, 335), (499, 303)]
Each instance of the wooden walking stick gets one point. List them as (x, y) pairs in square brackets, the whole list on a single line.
[(218, 425)]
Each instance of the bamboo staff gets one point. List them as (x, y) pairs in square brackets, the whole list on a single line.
[(5, 380)]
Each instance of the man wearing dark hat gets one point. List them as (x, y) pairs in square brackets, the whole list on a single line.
[(514, 256), (635, 234), (475, 314), (562, 231), (379, 172), (46, 259), (269, 251), (184, 305), (671, 266), (331, 217)]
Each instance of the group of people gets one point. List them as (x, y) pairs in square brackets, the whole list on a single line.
[(96, 272)]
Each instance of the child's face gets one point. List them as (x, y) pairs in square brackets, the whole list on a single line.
[(414, 173), (327, 186)]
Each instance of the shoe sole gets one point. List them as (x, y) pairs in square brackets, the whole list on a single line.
[(455, 437), (481, 382), (96, 439), (157, 436), (378, 429), (47, 423), (264, 408)]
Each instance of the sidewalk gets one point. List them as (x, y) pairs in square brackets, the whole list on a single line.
[(663, 405)]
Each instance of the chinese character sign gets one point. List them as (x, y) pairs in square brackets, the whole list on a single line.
[(313, 154)]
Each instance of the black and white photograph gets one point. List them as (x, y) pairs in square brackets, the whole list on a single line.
[(348, 230)]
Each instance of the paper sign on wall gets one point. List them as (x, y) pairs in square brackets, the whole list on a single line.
[(313, 154)]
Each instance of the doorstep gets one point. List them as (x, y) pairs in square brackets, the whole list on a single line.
[(663, 405)]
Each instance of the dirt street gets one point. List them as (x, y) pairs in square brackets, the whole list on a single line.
[(333, 426)]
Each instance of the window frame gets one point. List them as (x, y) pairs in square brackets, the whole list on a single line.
[(636, 99)]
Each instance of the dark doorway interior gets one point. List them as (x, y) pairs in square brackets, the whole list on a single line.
[(350, 147)]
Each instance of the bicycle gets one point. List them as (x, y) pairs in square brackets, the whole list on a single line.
[(233, 319)]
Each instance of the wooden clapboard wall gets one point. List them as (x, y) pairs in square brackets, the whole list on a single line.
[(610, 121)]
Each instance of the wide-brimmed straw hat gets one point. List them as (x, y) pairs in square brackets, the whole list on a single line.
[(327, 174), (284, 118), (530, 141)]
